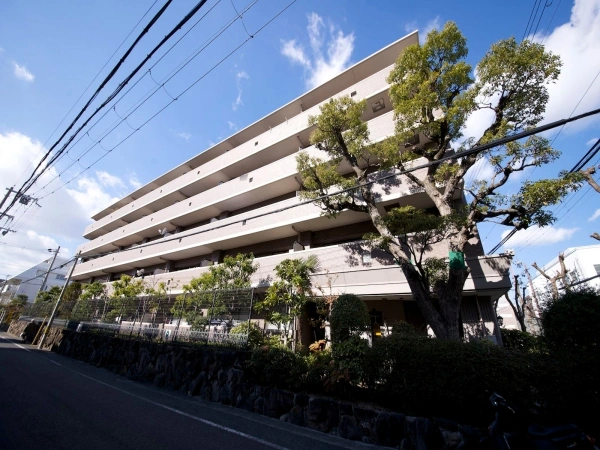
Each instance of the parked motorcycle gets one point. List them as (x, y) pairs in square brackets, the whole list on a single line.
[(509, 432)]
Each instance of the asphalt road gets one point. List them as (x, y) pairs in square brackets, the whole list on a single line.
[(50, 401)]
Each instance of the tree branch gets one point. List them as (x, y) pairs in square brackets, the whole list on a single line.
[(587, 173)]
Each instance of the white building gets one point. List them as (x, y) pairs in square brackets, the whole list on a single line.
[(30, 281), (582, 264), (240, 196)]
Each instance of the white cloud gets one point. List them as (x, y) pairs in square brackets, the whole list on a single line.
[(109, 180), (481, 170), (591, 142), (536, 236), (22, 73), (594, 216), (184, 135), (90, 196), (232, 126), (62, 216), (238, 80), (578, 44), (320, 67), (433, 24), (134, 182)]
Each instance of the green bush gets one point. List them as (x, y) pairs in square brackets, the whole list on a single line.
[(350, 357), (519, 340), (572, 321), (255, 335), (349, 316), (277, 367)]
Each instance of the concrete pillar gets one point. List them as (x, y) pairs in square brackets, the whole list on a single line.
[(217, 257)]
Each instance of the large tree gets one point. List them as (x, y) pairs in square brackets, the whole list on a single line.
[(287, 296), (434, 92)]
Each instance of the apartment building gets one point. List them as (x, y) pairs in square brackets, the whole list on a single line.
[(241, 196), (29, 282)]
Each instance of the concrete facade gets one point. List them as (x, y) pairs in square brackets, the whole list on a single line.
[(241, 196), (30, 281)]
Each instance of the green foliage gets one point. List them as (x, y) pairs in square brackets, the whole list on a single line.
[(573, 321), (49, 296), (128, 287), (72, 292), (434, 92), (19, 300), (93, 291), (199, 295), (429, 78), (350, 357), (290, 291), (519, 340), (277, 367), (349, 316), (255, 335)]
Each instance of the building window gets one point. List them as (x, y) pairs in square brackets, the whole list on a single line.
[(60, 277)]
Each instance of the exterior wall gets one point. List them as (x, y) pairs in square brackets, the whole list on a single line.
[(581, 263), (342, 84), (19, 285)]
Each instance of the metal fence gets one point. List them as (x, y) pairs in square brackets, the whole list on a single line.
[(202, 318)]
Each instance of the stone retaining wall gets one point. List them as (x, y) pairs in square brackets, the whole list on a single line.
[(52, 340), (217, 375)]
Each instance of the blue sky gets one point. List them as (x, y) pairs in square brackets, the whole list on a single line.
[(51, 51)]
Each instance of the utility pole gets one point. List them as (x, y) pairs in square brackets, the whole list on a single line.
[(43, 285), (58, 300), (10, 191)]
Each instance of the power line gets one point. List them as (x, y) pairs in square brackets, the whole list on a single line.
[(463, 154), (173, 99), (529, 20), (120, 87), (582, 161), (546, 4), (90, 100), (149, 94), (86, 89), (25, 248), (149, 71), (53, 269)]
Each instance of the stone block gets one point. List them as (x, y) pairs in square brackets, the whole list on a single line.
[(349, 428), (423, 433), (322, 414), (389, 429)]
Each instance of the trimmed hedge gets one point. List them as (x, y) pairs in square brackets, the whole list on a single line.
[(421, 376)]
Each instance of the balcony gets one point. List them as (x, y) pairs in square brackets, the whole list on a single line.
[(342, 270), (270, 181), (275, 221), (342, 83), (270, 146)]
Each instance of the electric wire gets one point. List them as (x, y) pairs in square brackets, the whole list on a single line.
[(85, 90), (172, 100), (148, 72), (44, 250), (149, 94), (121, 86), (111, 74), (529, 20), (587, 157)]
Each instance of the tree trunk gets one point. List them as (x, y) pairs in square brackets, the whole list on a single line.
[(443, 319)]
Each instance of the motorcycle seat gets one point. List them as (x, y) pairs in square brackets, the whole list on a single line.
[(549, 432)]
